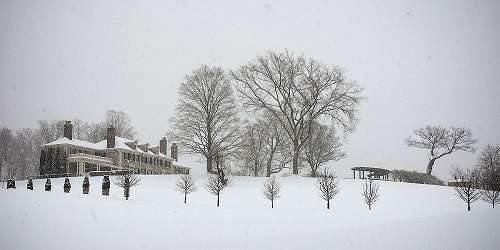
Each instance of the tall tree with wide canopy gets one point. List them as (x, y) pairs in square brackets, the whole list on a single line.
[(206, 120), (441, 141), (297, 91)]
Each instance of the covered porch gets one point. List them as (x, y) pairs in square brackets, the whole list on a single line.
[(81, 163)]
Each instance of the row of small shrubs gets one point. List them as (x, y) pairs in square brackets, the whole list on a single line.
[(106, 185), (415, 177)]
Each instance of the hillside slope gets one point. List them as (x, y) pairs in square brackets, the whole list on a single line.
[(407, 216)]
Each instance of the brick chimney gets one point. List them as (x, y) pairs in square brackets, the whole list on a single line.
[(68, 130), (110, 137), (163, 146), (174, 151)]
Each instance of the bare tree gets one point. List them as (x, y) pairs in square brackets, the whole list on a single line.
[(80, 129), (92, 132), (26, 151), (327, 185), (441, 141), (467, 185), (20, 151), (6, 140), (264, 146), (206, 120), (50, 130), (491, 196), (271, 189), (126, 181), (276, 144), (122, 124), (489, 167), (186, 185), (322, 146), (95, 132), (253, 148), (215, 185), (297, 92), (370, 193)]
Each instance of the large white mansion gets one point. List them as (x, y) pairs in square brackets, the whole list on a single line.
[(111, 154)]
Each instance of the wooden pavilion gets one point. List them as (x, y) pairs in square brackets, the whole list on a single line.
[(373, 173)]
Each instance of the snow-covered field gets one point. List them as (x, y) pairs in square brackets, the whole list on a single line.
[(407, 216)]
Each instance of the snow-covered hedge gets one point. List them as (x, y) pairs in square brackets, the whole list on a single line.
[(415, 177)]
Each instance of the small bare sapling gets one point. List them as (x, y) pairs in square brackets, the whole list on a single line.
[(215, 185), (127, 181), (186, 185), (370, 193), (327, 185), (271, 189)]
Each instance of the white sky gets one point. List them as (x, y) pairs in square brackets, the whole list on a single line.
[(421, 62)]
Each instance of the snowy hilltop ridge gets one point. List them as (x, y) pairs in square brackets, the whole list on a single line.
[(407, 216)]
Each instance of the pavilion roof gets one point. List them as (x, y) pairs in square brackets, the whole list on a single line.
[(370, 169)]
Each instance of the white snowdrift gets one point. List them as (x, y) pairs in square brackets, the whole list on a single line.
[(407, 216)]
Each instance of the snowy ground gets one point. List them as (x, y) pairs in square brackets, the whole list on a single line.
[(407, 216)]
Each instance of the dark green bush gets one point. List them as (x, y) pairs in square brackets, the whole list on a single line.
[(106, 184), (11, 183), (30, 184), (48, 185), (67, 185), (86, 185)]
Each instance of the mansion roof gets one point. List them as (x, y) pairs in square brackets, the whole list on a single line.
[(120, 143)]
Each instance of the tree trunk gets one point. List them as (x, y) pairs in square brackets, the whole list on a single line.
[(217, 200), (272, 204), (313, 172), (468, 206), (295, 162), (126, 193), (328, 204), (185, 198), (269, 164), (430, 165), (209, 164), (268, 168)]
